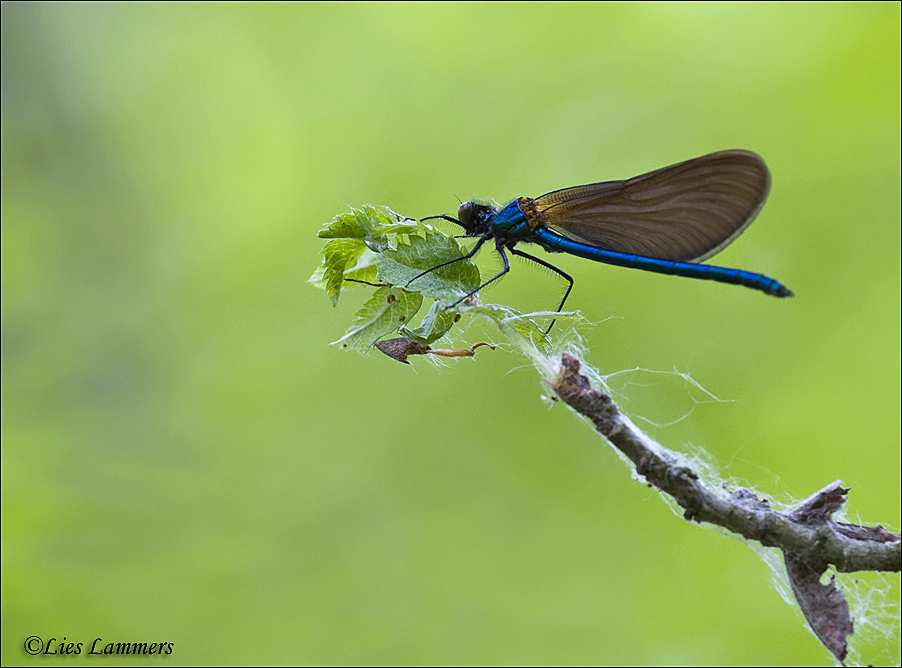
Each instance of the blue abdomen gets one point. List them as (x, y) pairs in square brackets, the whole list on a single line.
[(558, 244)]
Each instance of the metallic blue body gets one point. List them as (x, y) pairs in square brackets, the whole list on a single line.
[(557, 244), (510, 223)]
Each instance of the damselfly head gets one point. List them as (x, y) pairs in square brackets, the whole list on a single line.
[(474, 217), (465, 214)]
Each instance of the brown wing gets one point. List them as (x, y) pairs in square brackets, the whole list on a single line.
[(685, 212)]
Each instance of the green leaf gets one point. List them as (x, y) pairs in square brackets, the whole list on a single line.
[(436, 323), (447, 284), (374, 244), (354, 237), (386, 311), (365, 270), (371, 225), (338, 255)]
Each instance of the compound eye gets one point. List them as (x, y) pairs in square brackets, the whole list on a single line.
[(465, 214)]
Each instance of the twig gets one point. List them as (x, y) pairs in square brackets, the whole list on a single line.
[(809, 539)]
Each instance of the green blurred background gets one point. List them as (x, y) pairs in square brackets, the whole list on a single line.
[(186, 459)]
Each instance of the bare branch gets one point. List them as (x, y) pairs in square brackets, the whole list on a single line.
[(809, 539)]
